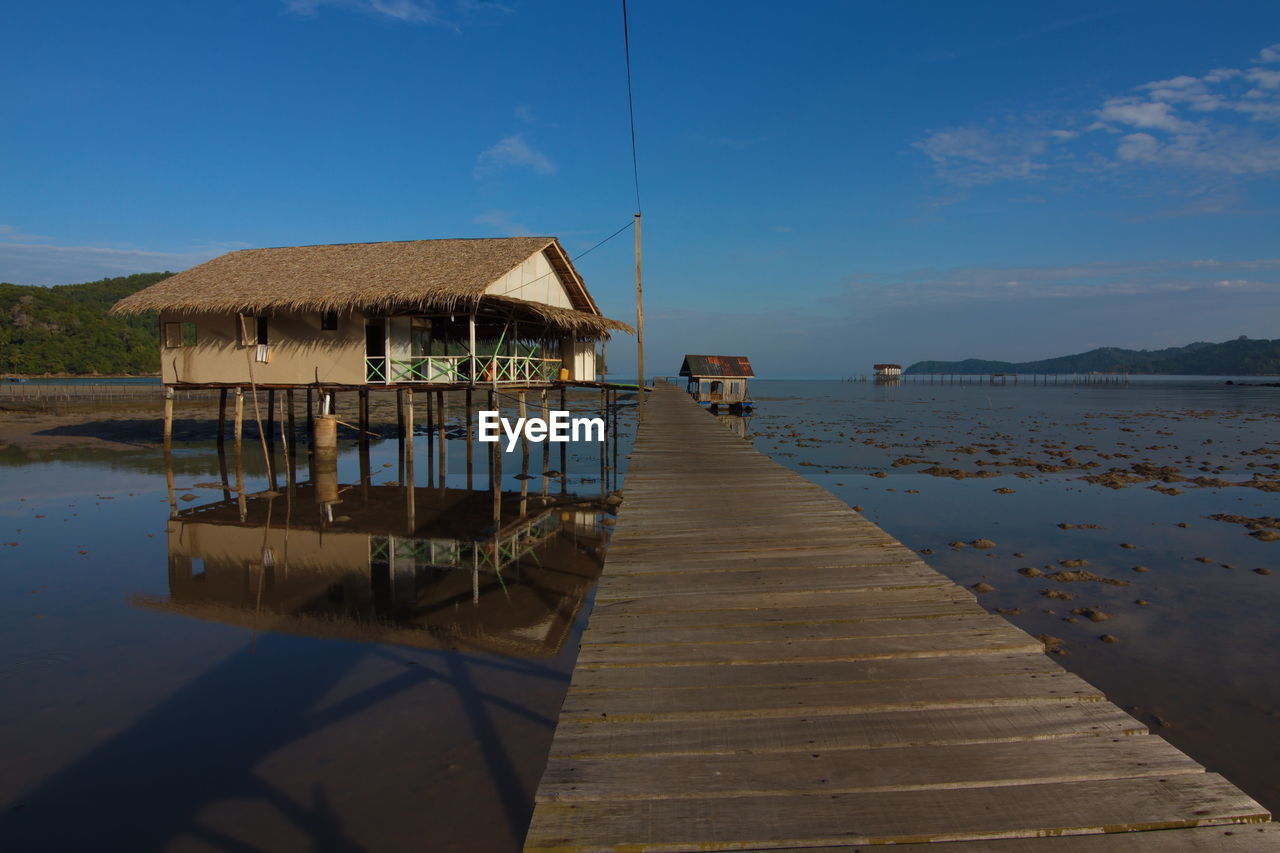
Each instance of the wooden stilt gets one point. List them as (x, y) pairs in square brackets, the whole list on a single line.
[(470, 438), (524, 457), (408, 423), (222, 418), (238, 428), (168, 480), (168, 418), (564, 452), (431, 445), (311, 422), (292, 429), (546, 445), (364, 419), (441, 438), (400, 414), (271, 417)]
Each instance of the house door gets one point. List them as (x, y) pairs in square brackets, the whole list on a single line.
[(375, 351)]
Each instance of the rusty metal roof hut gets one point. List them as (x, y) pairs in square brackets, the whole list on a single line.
[(718, 380), (450, 312)]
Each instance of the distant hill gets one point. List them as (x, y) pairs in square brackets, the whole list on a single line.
[(1241, 357), (66, 329)]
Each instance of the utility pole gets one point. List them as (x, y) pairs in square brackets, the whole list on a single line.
[(639, 323)]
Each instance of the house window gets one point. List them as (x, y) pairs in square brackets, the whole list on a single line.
[(179, 335), (328, 321), (253, 330)]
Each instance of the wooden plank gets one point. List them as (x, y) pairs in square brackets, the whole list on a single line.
[(782, 601), (892, 817), (826, 672), (602, 707), (1074, 759), (980, 641), (756, 580), (872, 730), (766, 669), (712, 635), (1202, 839), (610, 614)]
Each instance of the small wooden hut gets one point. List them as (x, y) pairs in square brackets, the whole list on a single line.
[(443, 313), (718, 380)]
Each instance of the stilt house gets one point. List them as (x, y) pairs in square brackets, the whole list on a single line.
[(442, 313), (718, 380)]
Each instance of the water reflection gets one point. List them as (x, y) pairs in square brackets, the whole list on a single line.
[(736, 423), (425, 567)]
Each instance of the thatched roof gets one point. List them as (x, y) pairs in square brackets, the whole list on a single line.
[(428, 275)]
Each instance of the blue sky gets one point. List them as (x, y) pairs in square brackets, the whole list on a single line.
[(824, 184)]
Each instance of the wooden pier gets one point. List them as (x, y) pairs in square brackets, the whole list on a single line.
[(765, 669)]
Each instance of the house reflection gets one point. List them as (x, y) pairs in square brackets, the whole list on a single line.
[(736, 423), (425, 567)]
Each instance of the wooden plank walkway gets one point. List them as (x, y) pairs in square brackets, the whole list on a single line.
[(765, 669)]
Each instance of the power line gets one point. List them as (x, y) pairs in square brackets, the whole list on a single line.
[(631, 110), (605, 240)]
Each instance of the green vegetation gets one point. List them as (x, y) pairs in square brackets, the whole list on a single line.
[(1241, 357), (66, 329)]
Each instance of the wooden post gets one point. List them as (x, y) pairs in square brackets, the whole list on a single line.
[(470, 449), (564, 453), (440, 437), (238, 429), (546, 445), (639, 322), (364, 419), (408, 423), (400, 414), (271, 417), (524, 456), (222, 418), (292, 440), (168, 480), (311, 423), (168, 418), (431, 445)]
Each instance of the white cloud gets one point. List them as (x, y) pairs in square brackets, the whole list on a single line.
[(512, 152), (1271, 53), (1220, 122), (1058, 283), (501, 220), (408, 11), (974, 155), (30, 262)]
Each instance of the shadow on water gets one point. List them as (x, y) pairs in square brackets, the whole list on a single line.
[(441, 621)]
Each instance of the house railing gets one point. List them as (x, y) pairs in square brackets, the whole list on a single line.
[(502, 369)]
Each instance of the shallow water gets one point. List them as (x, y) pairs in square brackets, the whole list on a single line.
[(189, 671), (1198, 660)]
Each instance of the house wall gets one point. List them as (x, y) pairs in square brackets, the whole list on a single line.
[(300, 352), (580, 358), (534, 280)]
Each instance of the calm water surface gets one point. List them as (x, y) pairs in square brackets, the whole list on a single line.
[(348, 664)]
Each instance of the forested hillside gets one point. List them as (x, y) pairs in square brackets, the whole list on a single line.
[(66, 329), (1241, 357)]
